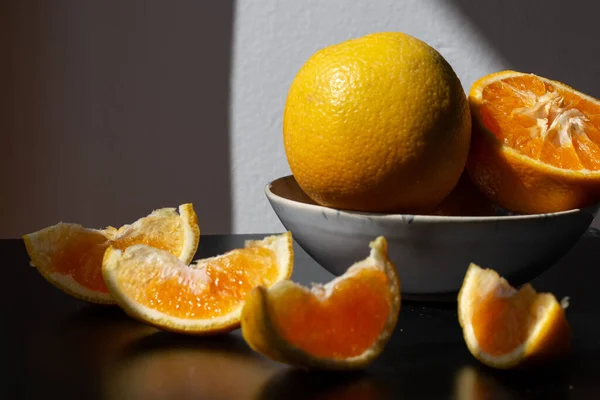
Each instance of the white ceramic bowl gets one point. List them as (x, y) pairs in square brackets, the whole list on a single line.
[(431, 253)]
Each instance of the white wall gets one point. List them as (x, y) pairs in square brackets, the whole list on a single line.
[(273, 38), (109, 109)]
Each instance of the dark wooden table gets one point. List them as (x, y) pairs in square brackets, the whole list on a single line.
[(58, 347)]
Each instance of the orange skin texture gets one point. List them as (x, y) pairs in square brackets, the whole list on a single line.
[(379, 123)]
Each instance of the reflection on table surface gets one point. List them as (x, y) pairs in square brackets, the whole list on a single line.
[(100, 353), (103, 353), (63, 348)]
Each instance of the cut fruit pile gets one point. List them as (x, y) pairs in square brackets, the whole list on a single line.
[(535, 143), (355, 314), (205, 297), (342, 325), (507, 328), (534, 147), (70, 256)]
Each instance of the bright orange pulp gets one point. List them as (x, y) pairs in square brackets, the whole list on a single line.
[(513, 109), (341, 325), (211, 291)]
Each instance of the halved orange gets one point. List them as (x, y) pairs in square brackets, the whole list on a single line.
[(205, 297), (70, 256), (507, 328), (535, 144), (342, 325)]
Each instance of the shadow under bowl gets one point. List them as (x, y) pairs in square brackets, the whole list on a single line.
[(431, 253)]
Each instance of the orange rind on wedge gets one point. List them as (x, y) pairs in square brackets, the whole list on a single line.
[(70, 256), (508, 328), (203, 298), (342, 325)]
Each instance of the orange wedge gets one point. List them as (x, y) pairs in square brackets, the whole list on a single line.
[(205, 297), (507, 328), (535, 144), (70, 256), (342, 325)]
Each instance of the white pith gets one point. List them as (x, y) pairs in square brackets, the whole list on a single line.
[(189, 234), (477, 93), (376, 259), (551, 116)]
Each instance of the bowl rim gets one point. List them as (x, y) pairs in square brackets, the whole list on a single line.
[(417, 217)]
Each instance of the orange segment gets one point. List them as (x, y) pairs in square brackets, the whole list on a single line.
[(341, 325), (70, 256), (162, 229), (535, 143), (343, 331), (204, 297), (70, 250), (504, 327), (206, 290), (229, 279)]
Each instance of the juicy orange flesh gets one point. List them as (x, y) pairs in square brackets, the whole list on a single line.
[(546, 122), (162, 233), (343, 324), (502, 322), (77, 252), (81, 258), (207, 292)]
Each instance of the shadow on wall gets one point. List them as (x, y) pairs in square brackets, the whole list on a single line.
[(553, 38), (114, 109)]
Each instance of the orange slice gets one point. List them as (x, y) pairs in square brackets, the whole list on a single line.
[(70, 256), (507, 328), (205, 297), (344, 324), (535, 144)]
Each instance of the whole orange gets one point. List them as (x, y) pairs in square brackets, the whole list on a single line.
[(379, 123)]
